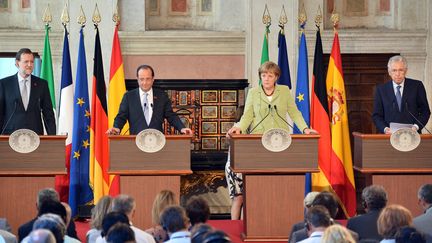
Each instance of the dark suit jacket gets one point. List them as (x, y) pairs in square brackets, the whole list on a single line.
[(131, 110), (26, 228), (302, 234), (365, 225), (386, 109), (12, 108)]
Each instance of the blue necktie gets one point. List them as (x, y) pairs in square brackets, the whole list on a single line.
[(146, 109), (399, 97)]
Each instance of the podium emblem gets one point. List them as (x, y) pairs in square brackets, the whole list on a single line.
[(276, 140), (150, 140), (24, 141), (405, 139)]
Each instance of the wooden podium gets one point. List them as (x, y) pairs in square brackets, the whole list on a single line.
[(144, 175), (23, 175), (400, 173), (273, 183)]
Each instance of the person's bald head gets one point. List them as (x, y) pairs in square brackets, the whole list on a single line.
[(40, 236)]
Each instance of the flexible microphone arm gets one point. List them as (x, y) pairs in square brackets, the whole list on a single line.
[(415, 118), (282, 117), (7, 123), (268, 113)]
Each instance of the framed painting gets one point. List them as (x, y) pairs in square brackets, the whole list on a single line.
[(4, 5), (228, 112), (224, 143), (154, 7), (209, 127), (183, 98), (229, 96), (205, 7), (225, 126), (209, 143), (178, 7), (209, 96), (209, 111)]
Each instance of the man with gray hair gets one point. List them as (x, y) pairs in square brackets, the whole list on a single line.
[(374, 200), (400, 100), (40, 236), (424, 222), (126, 204)]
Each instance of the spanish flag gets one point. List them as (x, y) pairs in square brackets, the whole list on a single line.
[(340, 175)]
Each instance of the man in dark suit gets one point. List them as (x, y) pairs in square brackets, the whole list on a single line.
[(146, 107), (374, 200), (401, 100), (23, 97)]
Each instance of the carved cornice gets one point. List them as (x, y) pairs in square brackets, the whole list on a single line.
[(13, 40)]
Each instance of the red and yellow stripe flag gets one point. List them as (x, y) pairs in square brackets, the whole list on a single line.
[(116, 90), (99, 160), (341, 168)]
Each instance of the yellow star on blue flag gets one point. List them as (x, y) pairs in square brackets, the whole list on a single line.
[(300, 97)]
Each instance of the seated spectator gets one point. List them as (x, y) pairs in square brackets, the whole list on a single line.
[(216, 236), (126, 204), (317, 220), (120, 233), (98, 213), (174, 221), (197, 209), (108, 221), (391, 219), (374, 200), (307, 203), (163, 199), (8, 236), (409, 234), (424, 222), (198, 231), (46, 194), (40, 236), (4, 225), (53, 223), (337, 234)]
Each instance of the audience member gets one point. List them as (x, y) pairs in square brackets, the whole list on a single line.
[(198, 231), (4, 225), (108, 221), (317, 220), (197, 209), (409, 234), (424, 222), (120, 233), (53, 223), (337, 234), (307, 203), (391, 219), (126, 204), (8, 236), (374, 200), (216, 236), (174, 221), (98, 213), (40, 236), (163, 199), (46, 194)]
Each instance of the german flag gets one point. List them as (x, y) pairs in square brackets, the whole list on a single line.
[(99, 160)]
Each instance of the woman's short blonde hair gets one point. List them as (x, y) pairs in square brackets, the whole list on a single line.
[(269, 67), (337, 234), (163, 199), (391, 219)]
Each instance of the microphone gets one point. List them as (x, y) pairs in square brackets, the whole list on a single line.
[(10, 117), (43, 116), (415, 118), (268, 113), (282, 118)]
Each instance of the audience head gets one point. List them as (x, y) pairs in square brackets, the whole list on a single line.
[(53, 223), (120, 233), (374, 197), (409, 234), (124, 204), (53, 207), (197, 210), (102, 207), (216, 236), (40, 236), (327, 200), (46, 194), (425, 196), (111, 219), (173, 219), (198, 231), (391, 219), (337, 234), (316, 217), (308, 200), (163, 199)]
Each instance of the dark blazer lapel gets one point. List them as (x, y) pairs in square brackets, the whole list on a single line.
[(34, 91), (16, 90), (390, 92), (406, 89), (157, 105)]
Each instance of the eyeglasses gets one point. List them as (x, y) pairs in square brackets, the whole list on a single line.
[(397, 70)]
